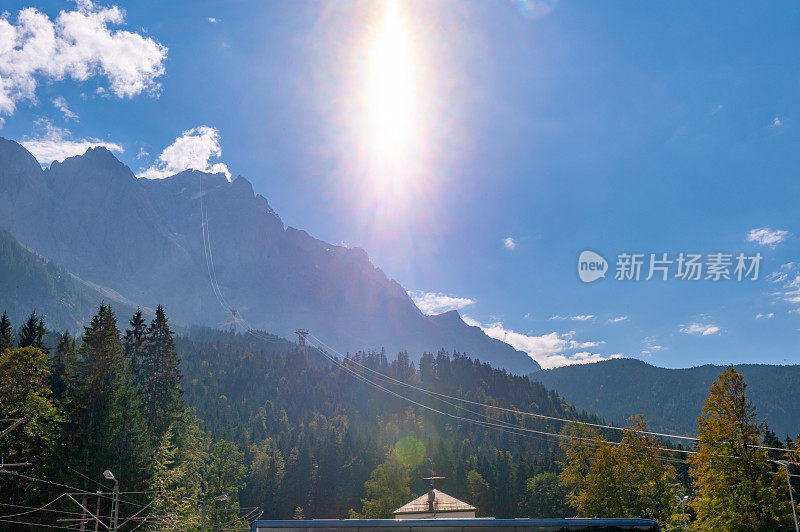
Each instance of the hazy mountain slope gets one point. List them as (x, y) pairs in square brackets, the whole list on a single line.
[(671, 399), (30, 282), (143, 238)]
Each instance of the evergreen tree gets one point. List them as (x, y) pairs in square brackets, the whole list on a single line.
[(6, 333), (133, 346), (32, 333), (107, 429), (63, 366), (734, 488), (161, 376)]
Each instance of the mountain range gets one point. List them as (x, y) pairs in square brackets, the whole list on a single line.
[(672, 399), (142, 242)]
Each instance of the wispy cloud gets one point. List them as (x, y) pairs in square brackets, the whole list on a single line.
[(776, 122), (213, 20), (765, 236), (700, 329), (436, 302), (787, 279), (60, 103), (194, 149), (549, 350), (768, 316), (618, 319), (579, 317), (510, 243), (77, 44), (52, 143)]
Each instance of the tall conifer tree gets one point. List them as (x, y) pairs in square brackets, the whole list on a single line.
[(161, 376), (6, 333), (733, 485), (134, 341)]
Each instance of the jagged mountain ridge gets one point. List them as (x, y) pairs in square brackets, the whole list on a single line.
[(143, 238)]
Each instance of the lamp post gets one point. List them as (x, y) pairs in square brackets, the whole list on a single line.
[(202, 504), (682, 502), (785, 465), (114, 500)]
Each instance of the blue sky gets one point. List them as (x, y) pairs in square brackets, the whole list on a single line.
[(616, 126)]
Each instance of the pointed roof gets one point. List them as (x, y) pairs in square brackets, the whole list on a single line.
[(442, 503)]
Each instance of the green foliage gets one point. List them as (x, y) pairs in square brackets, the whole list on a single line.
[(546, 497), (32, 332), (25, 393), (134, 342), (625, 480), (734, 487), (671, 399), (63, 366), (6, 333), (388, 488), (160, 376), (478, 491)]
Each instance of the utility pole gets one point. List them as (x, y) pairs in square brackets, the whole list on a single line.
[(301, 339), (785, 465)]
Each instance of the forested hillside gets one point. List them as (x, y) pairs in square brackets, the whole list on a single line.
[(258, 420), (312, 434), (29, 281), (226, 426), (671, 399)]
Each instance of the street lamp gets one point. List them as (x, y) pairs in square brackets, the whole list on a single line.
[(785, 465), (114, 500), (682, 501)]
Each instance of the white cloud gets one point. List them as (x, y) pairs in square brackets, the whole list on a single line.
[(509, 243), (768, 316), (579, 317), (618, 319), (650, 345), (549, 350), (60, 103), (700, 329), (765, 236), (194, 149), (776, 122), (78, 44), (56, 144), (436, 302), (212, 20), (142, 153)]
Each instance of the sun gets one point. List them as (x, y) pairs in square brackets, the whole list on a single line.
[(391, 92)]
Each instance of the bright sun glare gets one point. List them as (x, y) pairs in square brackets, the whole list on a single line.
[(391, 91)]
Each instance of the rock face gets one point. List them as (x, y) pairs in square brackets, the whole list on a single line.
[(144, 239)]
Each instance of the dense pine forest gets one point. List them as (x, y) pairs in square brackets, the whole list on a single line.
[(220, 427)]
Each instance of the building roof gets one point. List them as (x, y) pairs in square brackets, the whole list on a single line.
[(442, 503)]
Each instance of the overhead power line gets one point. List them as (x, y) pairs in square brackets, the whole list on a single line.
[(522, 412)]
